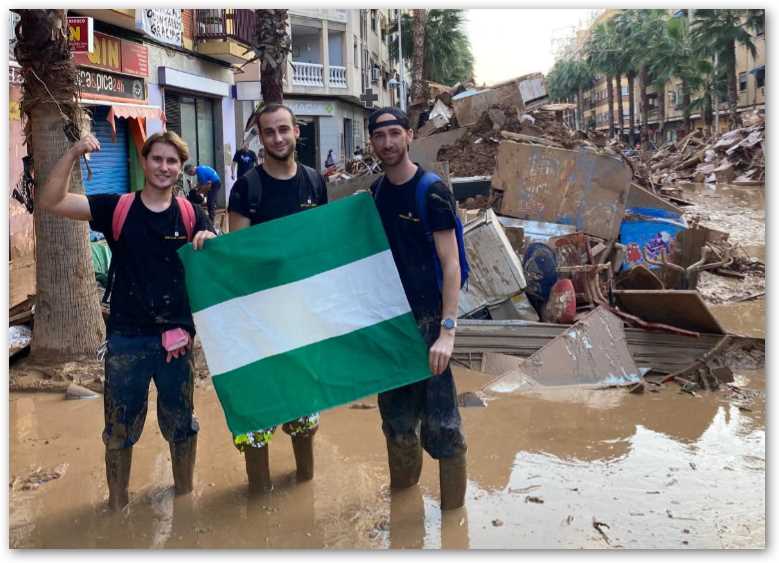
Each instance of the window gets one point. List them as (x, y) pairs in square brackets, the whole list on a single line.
[(374, 16), (742, 81), (624, 90), (760, 77)]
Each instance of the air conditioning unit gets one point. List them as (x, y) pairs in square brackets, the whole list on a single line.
[(375, 74)]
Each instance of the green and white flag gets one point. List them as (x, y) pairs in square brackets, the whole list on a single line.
[(303, 313)]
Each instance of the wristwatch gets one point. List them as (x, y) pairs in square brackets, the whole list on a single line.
[(449, 324)]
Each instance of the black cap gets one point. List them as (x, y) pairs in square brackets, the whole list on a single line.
[(400, 119)]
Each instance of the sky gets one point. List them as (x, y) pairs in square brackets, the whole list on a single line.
[(512, 42)]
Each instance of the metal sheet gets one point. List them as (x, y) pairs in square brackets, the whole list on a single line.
[(579, 188)]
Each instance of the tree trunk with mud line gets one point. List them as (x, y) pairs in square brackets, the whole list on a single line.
[(68, 319)]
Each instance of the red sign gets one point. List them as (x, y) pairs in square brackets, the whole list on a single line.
[(135, 59), (80, 35), (116, 55)]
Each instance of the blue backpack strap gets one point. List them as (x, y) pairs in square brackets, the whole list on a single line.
[(376, 187), (423, 186)]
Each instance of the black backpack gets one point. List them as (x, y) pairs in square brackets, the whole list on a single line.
[(312, 190)]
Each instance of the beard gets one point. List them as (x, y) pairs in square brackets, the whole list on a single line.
[(394, 158), (285, 156)]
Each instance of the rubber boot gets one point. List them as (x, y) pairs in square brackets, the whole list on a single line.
[(258, 470), (303, 446), (182, 455), (405, 464), (117, 470), (453, 480)]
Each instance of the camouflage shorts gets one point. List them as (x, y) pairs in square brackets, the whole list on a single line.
[(261, 438)]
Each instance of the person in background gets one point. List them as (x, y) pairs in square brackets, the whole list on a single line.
[(208, 184), (245, 159)]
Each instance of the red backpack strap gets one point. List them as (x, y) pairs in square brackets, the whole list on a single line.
[(120, 214), (187, 215)]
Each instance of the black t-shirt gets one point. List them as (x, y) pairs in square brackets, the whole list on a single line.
[(411, 247), (279, 197), (245, 159), (148, 295)]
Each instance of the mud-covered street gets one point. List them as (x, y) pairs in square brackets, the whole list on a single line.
[(547, 468), (659, 470)]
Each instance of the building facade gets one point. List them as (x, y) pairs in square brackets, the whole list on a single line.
[(751, 94), (337, 57)]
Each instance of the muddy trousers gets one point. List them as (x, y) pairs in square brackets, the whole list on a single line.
[(425, 415), (131, 363)]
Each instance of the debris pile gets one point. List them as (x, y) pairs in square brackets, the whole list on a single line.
[(570, 233), (735, 157)]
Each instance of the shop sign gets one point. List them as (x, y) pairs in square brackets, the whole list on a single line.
[(80, 34), (93, 82), (116, 55)]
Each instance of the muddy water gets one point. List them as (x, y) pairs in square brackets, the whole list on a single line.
[(737, 210), (661, 470)]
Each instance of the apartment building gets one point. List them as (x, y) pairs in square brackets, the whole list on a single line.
[(337, 57)]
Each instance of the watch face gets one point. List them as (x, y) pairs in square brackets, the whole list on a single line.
[(448, 324)]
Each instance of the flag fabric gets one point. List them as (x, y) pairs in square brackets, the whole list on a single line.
[(302, 313)]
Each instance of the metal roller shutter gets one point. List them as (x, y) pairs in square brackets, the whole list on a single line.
[(110, 166), (173, 112)]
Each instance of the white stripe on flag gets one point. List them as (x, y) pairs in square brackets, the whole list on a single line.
[(247, 329)]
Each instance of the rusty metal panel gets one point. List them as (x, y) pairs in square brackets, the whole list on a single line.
[(579, 188), (680, 308)]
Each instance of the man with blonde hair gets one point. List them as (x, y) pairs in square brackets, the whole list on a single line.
[(150, 328)]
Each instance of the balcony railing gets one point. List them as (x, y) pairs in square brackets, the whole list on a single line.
[(225, 24), (338, 77), (308, 74)]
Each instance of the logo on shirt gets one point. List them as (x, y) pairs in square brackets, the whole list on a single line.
[(409, 217)]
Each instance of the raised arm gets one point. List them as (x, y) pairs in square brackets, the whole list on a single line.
[(54, 197)]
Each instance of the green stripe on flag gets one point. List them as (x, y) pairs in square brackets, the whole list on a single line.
[(323, 375), (293, 248)]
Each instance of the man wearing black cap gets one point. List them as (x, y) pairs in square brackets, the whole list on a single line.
[(432, 287)]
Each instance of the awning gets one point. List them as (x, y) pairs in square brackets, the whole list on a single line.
[(132, 111), (127, 111)]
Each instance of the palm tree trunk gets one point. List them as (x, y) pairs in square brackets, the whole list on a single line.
[(418, 84), (620, 109), (686, 101), (661, 113), (610, 95), (632, 108), (643, 78), (418, 61), (272, 45), (735, 118), (68, 319)]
